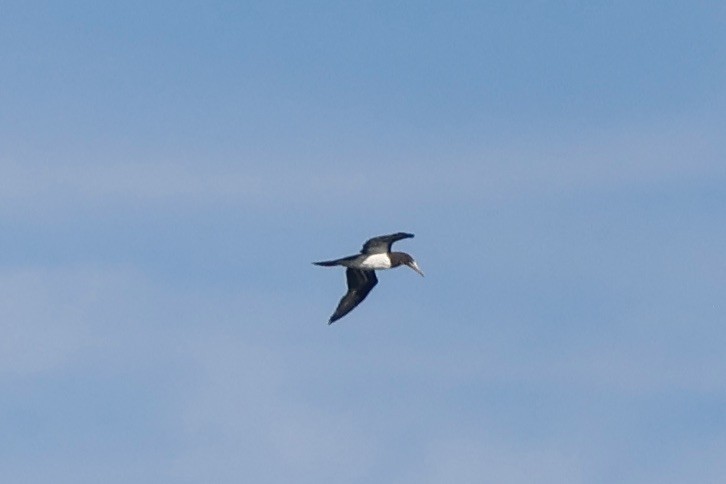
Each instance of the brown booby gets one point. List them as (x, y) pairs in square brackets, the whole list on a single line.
[(360, 273)]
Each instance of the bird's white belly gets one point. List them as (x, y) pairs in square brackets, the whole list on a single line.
[(376, 261)]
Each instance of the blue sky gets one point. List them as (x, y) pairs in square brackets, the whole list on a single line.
[(169, 170)]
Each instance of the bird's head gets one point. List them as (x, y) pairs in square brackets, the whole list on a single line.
[(402, 258)]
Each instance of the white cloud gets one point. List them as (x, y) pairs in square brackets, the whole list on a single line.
[(240, 405), (47, 318), (513, 169), (489, 460)]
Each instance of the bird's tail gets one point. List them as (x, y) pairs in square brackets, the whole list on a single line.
[(337, 262)]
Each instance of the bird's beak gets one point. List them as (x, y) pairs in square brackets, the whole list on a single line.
[(415, 267)]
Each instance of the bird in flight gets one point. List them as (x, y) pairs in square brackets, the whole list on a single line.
[(360, 273)]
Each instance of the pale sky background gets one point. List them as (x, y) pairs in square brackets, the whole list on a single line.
[(168, 171)]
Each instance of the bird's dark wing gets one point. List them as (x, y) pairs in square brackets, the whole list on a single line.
[(360, 283), (382, 244)]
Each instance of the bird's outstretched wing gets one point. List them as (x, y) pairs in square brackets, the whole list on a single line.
[(360, 283), (382, 244)]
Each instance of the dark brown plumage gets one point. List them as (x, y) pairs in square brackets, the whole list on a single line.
[(360, 283), (360, 273)]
